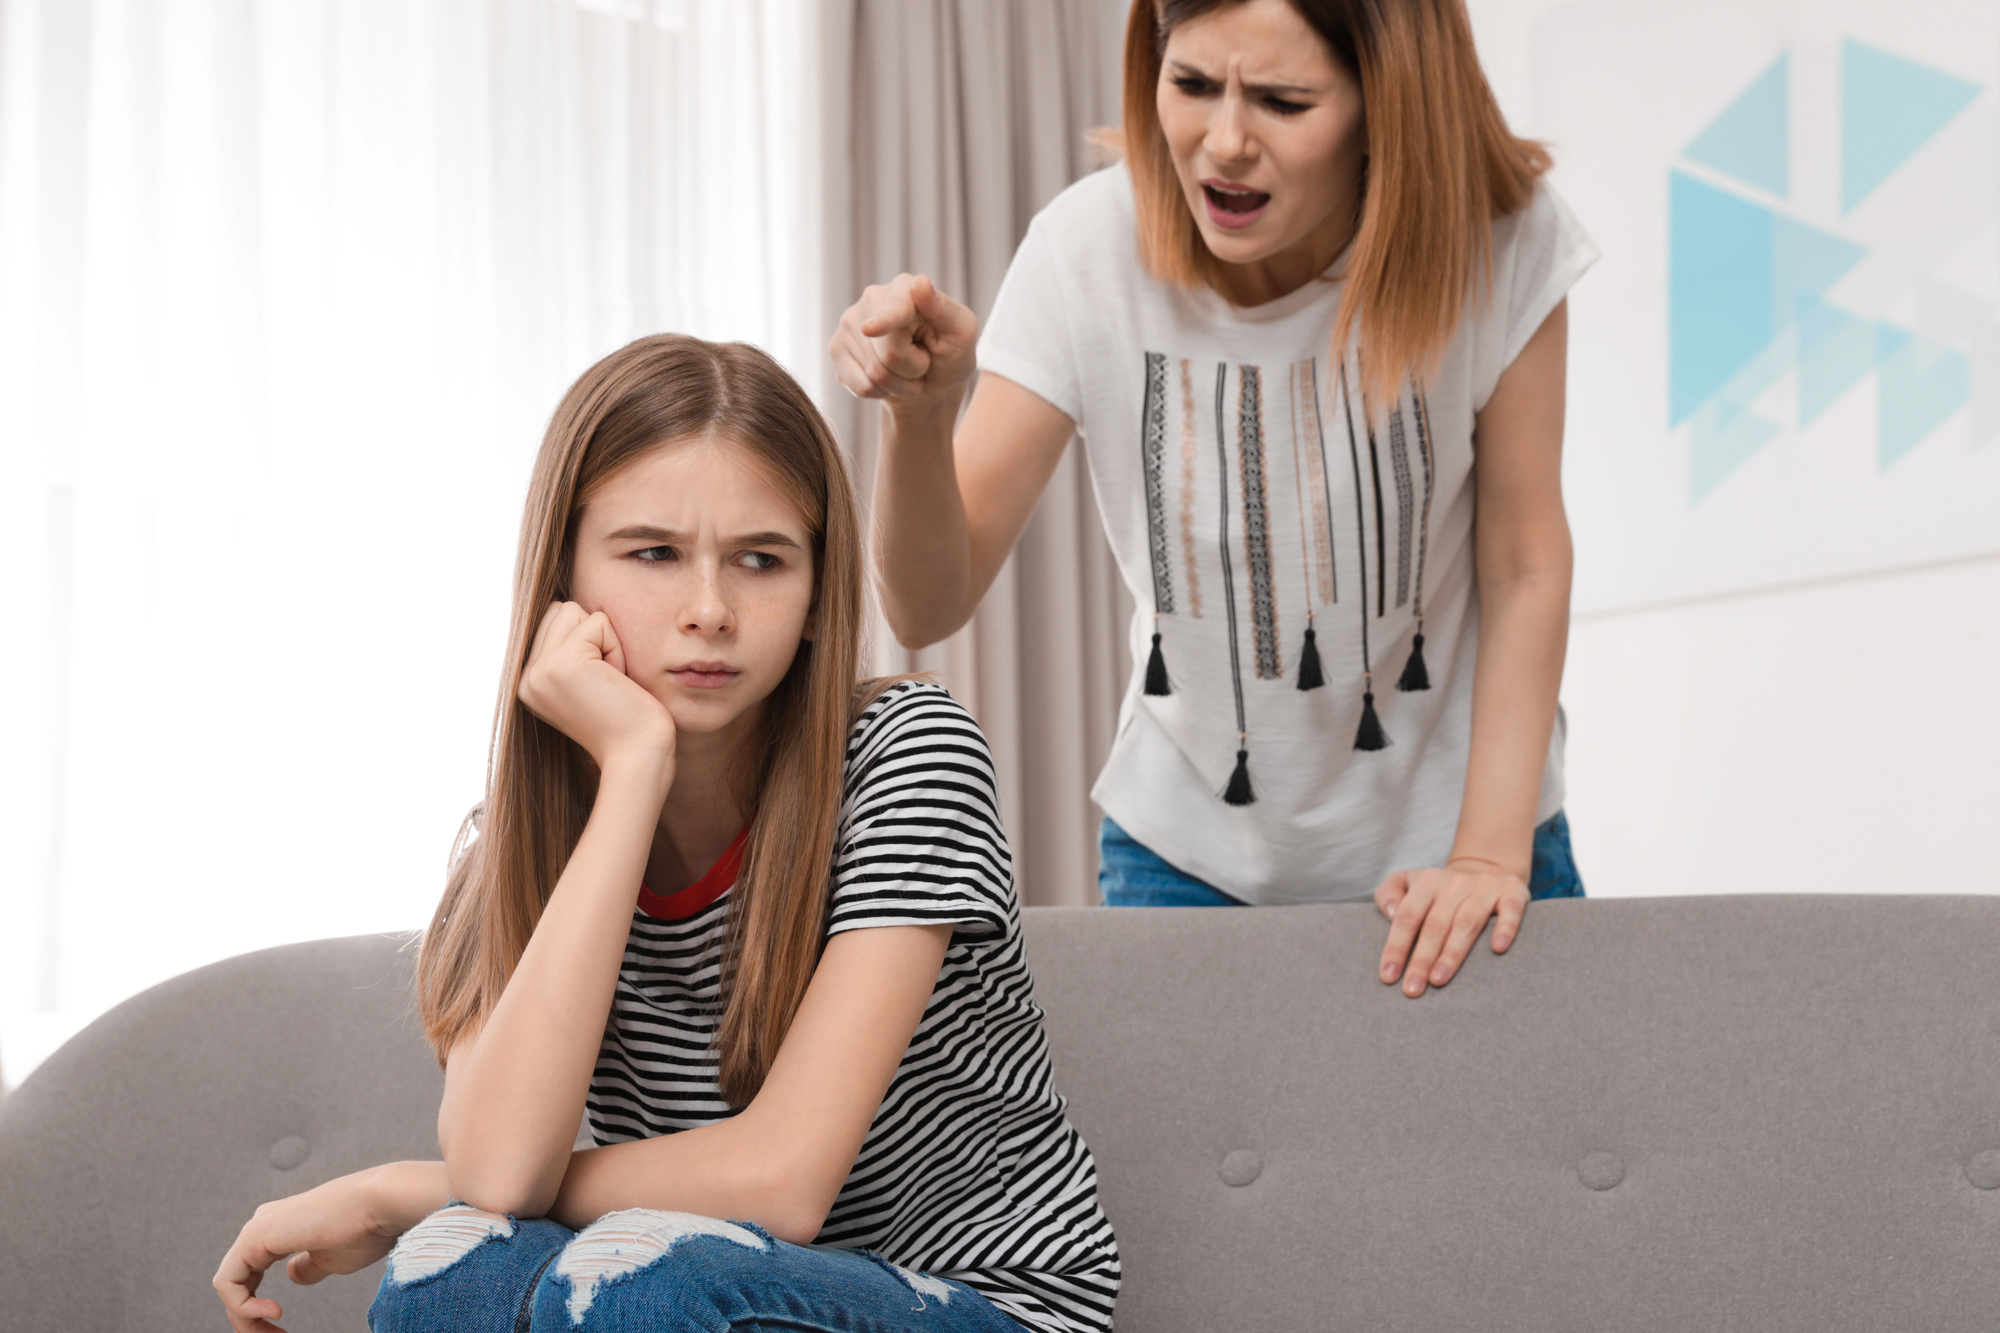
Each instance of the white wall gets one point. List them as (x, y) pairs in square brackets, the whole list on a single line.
[(1843, 738)]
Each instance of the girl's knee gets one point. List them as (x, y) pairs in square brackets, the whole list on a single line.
[(441, 1240), (644, 1242), (456, 1248)]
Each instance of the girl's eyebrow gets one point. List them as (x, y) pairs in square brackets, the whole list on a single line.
[(647, 532), (1181, 67)]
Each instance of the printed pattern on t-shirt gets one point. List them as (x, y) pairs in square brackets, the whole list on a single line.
[(971, 1169)]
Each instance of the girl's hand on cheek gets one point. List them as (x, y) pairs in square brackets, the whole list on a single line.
[(575, 681), (1436, 916)]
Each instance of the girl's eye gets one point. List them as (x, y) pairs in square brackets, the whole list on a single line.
[(1191, 85), (1283, 107), (760, 559), (656, 554)]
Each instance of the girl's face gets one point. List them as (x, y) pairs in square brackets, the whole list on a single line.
[(705, 571), (1266, 130)]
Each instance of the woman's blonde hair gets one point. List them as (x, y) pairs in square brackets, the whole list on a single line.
[(1442, 165), (651, 394)]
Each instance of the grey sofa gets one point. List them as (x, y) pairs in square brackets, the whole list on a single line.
[(1765, 1113)]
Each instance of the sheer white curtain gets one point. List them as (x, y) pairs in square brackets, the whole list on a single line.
[(287, 291)]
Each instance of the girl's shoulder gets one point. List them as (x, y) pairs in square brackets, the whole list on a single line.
[(907, 717)]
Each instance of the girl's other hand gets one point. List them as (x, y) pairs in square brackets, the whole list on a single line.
[(906, 343), (1436, 915), (575, 681), (335, 1228)]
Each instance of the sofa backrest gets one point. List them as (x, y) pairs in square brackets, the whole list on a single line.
[(1777, 1112)]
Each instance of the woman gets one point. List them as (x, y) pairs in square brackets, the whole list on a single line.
[(1325, 281), (753, 921)]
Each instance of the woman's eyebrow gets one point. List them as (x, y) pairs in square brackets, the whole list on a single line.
[(1181, 67)]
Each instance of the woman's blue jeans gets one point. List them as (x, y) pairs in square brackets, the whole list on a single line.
[(1131, 874), (461, 1270)]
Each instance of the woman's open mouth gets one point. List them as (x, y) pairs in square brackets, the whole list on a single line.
[(1233, 206)]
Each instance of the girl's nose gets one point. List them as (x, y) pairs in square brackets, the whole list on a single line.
[(708, 610)]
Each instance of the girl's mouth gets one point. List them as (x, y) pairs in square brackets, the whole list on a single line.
[(1233, 206), (705, 675)]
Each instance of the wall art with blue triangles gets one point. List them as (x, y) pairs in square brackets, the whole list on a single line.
[(1788, 365)]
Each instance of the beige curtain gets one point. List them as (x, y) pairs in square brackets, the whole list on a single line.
[(948, 123)]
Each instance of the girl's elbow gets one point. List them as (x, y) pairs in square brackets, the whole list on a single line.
[(795, 1204), (796, 1221), (497, 1186)]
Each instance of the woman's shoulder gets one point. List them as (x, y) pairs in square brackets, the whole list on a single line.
[(1546, 225), (1092, 216)]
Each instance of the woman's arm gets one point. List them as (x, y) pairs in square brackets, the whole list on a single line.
[(1522, 549), (514, 1089), (948, 507), (781, 1161)]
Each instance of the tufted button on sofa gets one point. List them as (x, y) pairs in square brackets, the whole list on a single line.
[(1779, 1113)]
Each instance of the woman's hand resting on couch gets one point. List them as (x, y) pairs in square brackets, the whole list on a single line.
[(339, 1227)]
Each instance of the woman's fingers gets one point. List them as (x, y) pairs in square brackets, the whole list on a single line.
[(1404, 924), (1389, 894), (905, 339), (1430, 942), (1466, 924)]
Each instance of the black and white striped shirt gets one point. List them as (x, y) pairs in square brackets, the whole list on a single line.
[(971, 1170)]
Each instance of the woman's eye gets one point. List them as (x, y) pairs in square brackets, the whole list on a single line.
[(1284, 108), (655, 554), (1191, 85), (760, 560)]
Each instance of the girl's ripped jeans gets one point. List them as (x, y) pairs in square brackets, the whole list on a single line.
[(462, 1270)]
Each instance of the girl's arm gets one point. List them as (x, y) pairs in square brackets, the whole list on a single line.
[(514, 1088), (948, 507), (781, 1161), (1522, 549), (339, 1227)]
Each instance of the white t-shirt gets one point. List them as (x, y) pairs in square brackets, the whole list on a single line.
[(1242, 497)]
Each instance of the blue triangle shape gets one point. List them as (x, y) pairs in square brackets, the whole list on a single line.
[(1716, 449), (1806, 261), (1751, 139), (1720, 308), (1889, 108), (1836, 351), (1923, 383)]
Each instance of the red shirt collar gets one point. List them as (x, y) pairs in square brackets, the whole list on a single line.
[(684, 904)]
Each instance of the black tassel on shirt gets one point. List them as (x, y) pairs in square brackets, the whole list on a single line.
[(1310, 676), (1415, 675), (1238, 791), (1370, 735), (1156, 670)]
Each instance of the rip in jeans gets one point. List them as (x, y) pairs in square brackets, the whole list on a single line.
[(620, 1244)]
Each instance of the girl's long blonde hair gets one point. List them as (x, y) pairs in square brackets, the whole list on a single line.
[(654, 393), (1442, 165)]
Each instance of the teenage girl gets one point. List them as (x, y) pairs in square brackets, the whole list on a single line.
[(758, 925), (1312, 332)]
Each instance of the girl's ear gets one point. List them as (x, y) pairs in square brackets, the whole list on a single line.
[(812, 624)]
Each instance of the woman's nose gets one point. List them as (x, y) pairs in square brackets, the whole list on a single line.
[(1228, 130)]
